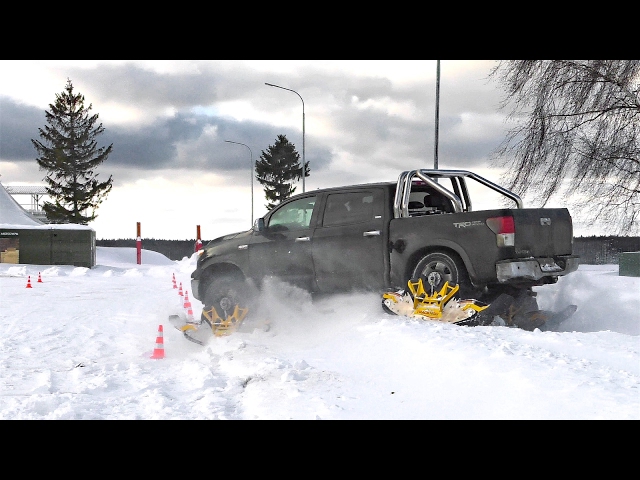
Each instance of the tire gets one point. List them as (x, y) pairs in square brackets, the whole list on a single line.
[(439, 267), (224, 293)]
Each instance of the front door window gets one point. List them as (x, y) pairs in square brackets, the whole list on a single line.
[(295, 215)]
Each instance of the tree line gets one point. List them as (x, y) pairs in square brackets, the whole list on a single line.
[(592, 250)]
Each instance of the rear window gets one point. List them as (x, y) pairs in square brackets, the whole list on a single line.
[(348, 208)]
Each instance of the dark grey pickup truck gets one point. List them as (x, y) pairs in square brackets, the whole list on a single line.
[(379, 236)]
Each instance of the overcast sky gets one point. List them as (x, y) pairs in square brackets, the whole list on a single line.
[(168, 122)]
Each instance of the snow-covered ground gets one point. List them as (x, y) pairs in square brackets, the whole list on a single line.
[(78, 346)]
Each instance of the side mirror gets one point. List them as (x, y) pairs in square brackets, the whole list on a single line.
[(258, 225)]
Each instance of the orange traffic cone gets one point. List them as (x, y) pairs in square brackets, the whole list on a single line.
[(39, 278), (174, 280), (187, 306), (180, 290), (158, 352), (29, 282)]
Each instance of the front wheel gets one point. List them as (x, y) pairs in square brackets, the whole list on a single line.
[(439, 267), (226, 302)]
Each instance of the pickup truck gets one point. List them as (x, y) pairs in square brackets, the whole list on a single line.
[(379, 236)]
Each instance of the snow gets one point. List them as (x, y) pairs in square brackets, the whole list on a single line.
[(78, 346)]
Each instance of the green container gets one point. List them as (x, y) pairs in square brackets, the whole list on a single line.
[(48, 246), (629, 264)]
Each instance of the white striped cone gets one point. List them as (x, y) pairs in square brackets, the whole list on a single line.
[(187, 306), (174, 280), (158, 352), (180, 296)]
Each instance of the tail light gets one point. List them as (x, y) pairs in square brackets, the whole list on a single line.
[(505, 230)]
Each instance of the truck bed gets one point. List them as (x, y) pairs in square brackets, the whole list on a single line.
[(539, 233)]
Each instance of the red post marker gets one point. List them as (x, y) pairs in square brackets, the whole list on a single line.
[(198, 241), (139, 245)]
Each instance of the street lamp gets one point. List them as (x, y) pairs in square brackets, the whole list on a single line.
[(435, 143), (252, 169), (304, 165)]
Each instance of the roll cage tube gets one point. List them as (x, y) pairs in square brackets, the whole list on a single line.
[(403, 189)]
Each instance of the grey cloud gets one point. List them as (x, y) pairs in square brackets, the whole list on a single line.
[(372, 137), (131, 84), (18, 125), (384, 138), (154, 147), (466, 153)]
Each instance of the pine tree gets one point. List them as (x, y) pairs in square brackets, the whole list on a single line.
[(276, 168), (69, 153)]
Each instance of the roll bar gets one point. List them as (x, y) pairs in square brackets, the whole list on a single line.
[(430, 177)]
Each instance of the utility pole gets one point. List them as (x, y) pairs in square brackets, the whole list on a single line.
[(435, 143)]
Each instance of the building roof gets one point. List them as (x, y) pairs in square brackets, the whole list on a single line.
[(26, 189), (13, 216)]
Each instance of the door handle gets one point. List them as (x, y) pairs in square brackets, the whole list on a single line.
[(371, 233), (303, 239)]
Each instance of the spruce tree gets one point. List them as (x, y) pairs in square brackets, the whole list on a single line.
[(69, 153), (276, 169)]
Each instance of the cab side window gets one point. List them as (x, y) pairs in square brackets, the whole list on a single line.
[(294, 215), (348, 208)]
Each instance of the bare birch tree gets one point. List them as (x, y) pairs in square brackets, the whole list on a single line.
[(575, 135)]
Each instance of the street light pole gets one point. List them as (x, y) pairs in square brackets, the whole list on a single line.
[(252, 169), (304, 165), (435, 143)]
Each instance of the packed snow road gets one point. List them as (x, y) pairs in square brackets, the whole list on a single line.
[(78, 346)]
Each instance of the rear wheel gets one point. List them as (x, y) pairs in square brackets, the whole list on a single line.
[(439, 267)]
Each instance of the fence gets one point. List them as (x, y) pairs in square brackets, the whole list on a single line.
[(172, 249), (603, 250)]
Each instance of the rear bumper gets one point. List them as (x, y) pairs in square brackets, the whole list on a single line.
[(536, 268)]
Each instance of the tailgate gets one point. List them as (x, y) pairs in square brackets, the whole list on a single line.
[(542, 232)]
